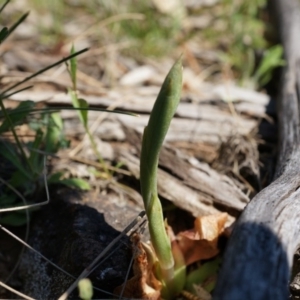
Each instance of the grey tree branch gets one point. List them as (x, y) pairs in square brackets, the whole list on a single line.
[(258, 259)]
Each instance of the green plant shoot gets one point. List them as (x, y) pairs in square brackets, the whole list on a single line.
[(154, 135), (271, 60), (83, 106)]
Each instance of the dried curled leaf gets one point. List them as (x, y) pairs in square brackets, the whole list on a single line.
[(143, 284), (201, 242), (210, 227)]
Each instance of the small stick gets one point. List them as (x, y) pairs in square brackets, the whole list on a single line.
[(15, 291)]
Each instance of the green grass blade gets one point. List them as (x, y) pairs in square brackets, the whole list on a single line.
[(82, 105), (73, 69), (12, 128), (35, 156), (59, 108), (202, 273), (14, 26), (3, 6), (3, 34), (54, 133), (14, 219), (84, 113), (20, 113), (8, 152), (271, 60), (17, 91), (76, 183)]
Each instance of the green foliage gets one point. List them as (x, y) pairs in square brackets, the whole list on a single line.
[(271, 60), (238, 30), (150, 34), (25, 170), (73, 69), (201, 274), (16, 24), (54, 137), (17, 116), (14, 219), (156, 35), (154, 135), (23, 164), (3, 34), (4, 4), (243, 32), (172, 267), (156, 130), (82, 107), (70, 182), (53, 32)]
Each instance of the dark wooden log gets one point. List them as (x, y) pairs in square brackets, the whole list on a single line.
[(259, 257)]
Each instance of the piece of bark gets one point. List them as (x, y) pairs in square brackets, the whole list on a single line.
[(173, 189), (141, 99), (211, 126), (210, 186), (258, 260), (193, 198), (205, 180)]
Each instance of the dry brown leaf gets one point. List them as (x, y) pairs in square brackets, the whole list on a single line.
[(201, 242), (210, 227), (143, 284)]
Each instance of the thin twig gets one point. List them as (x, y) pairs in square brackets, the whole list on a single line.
[(15, 291), (93, 127)]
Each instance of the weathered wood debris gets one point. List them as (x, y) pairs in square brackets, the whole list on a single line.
[(259, 258)]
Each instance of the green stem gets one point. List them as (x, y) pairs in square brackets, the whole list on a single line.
[(159, 238), (153, 138), (99, 156)]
